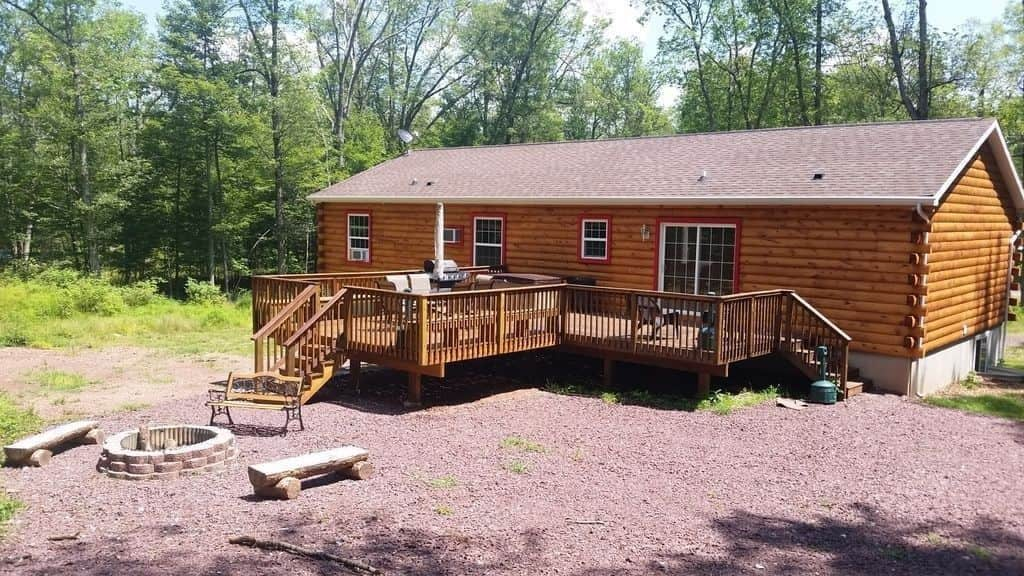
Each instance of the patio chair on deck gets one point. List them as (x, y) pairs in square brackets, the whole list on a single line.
[(419, 283), (400, 281), (483, 282)]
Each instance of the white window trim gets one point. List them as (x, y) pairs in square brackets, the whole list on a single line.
[(500, 246), (683, 224), (457, 231), (350, 237), (584, 239)]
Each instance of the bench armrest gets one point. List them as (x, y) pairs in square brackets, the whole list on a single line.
[(217, 394)]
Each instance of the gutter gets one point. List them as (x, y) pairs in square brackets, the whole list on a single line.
[(637, 200)]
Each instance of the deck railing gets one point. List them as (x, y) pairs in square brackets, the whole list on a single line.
[(271, 293), (413, 330), (431, 329)]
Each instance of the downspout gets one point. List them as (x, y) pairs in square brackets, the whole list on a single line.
[(1009, 294), (920, 212)]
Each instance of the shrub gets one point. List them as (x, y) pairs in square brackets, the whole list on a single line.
[(96, 297), (199, 292), (140, 293)]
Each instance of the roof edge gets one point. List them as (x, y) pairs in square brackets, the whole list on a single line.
[(993, 136), (643, 200)]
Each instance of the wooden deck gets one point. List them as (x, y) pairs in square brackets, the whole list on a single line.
[(422, 333)]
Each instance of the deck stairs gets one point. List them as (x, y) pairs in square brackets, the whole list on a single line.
[(803, 358)]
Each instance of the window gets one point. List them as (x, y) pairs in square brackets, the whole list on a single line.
[(488, 241), (359, 238), (453, 235), (595, 234), (698, 258)]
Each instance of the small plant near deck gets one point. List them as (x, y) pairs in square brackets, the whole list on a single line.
[(445, 482), (444, 510), (521, 444), (970, 382), (725, 403), (609, 397), (517, 467), (58, 381)]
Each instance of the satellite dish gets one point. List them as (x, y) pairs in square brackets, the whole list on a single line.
[(405, 136)]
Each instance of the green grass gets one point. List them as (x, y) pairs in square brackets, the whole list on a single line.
[(444, 510), (725, 403), (1007, 405), (521, 444), (517, 467), (57, 380), (78, 313), (719, 402), (1013, 357), (446, 482), (15, 422)]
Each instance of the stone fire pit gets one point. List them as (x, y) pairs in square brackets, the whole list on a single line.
[(166, 452)]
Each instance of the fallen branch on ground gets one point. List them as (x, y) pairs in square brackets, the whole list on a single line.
[(587, 522), (61, 537), (353, 565)]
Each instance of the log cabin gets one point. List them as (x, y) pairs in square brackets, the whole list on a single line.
[(902, 234)]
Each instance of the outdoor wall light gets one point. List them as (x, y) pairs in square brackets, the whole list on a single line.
[(645, 232)]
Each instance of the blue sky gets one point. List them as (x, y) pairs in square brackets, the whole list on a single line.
[(944, 14)]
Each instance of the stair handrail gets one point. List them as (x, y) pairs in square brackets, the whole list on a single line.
[(286, 312), (265, 356), (292, 344), (316, 317), (807, 305)]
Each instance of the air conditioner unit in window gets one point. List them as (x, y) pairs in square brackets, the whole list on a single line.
[(359, 254)]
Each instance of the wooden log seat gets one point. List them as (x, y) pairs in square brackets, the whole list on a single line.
[(36, 450), (283, 478), (258, 391)]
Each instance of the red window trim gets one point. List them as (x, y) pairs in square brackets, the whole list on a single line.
[(504, 233), (462, 235), (683, 221), (579, 239), (369, 232)]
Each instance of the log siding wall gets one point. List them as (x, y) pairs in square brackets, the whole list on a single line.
[(856, 265), (969, 264)]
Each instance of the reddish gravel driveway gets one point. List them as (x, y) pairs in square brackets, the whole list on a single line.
[(879, 485)]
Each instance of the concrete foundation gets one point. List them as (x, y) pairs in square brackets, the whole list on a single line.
[(937, 370)]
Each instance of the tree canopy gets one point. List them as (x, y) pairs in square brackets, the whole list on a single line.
[(187, 150)]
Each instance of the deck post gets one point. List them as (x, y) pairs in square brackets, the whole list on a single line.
[(355, 371), (609, 372), (423, 318), (415, 393), (500, 322), (703, 384), (258, 360)]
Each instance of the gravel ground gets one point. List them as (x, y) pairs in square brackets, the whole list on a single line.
[(879, 485)]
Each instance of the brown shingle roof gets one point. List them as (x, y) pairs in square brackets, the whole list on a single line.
[(901, 162)]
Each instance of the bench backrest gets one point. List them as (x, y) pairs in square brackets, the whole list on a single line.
[(262, 386)]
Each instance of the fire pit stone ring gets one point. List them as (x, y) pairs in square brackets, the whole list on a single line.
[(161, 452)]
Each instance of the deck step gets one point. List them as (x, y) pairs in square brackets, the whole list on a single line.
[(853, 388)]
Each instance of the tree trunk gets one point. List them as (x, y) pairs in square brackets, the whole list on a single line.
[(275, 128), (818, 79), (923, 76)]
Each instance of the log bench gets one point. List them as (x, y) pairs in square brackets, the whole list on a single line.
[(259, 391), (36, 450), (283, 478)]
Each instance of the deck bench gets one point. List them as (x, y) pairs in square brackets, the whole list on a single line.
[(283, 478), (258, 391), (37, 449)]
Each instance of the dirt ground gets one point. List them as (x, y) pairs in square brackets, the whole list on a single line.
[(124, 378), (878, 485)]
